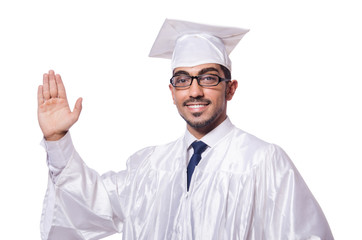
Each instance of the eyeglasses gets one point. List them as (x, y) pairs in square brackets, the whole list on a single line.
[(205, 80)]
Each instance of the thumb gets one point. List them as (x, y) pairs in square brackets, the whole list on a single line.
[(77, 108)]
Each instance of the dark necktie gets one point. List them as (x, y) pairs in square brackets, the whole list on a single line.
[(199, 147)]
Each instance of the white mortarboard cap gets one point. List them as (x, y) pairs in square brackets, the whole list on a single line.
[(190, 44)]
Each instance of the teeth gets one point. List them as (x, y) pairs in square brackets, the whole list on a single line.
[(196, 106)]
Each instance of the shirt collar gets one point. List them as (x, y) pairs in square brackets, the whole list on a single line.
[(212, 137)]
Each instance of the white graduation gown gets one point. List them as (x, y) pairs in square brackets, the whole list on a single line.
[(243, 188)]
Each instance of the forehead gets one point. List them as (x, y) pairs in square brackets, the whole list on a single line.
[(195, 70)]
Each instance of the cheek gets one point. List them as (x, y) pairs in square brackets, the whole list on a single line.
[(174, 98), (172, 93), (178, 97), (217, 97)]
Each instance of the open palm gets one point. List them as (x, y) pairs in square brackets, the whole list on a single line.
[(54, 115)]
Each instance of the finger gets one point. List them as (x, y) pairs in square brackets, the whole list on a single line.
[(61, 88), (52, 85), (46, 92), (77, 109), (40, 95)]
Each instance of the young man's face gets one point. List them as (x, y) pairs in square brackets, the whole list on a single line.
[(203, 108)]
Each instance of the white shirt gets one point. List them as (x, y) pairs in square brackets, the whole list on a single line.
[(210, 139), (243, 188)]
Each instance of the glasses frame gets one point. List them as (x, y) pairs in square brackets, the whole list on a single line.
[(198, 80)]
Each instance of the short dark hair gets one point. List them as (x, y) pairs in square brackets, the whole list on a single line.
[(226, 72)]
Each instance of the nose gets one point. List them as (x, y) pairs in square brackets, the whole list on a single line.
[(195, 90)]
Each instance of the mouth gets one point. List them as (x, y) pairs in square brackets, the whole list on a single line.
[(197, 105), (196, 109)]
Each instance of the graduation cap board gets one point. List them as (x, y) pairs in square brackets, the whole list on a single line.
[(190, 44)]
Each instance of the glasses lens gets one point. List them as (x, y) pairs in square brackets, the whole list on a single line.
[(181, 80), (209, 80)]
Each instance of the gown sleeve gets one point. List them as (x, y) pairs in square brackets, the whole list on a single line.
[(291, 211), (79, 203)]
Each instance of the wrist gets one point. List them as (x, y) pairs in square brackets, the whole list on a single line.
[(55, 137)]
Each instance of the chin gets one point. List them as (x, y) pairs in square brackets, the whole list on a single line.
[(200, 123)]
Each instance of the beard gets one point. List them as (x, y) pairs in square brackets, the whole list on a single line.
[(201, 124)]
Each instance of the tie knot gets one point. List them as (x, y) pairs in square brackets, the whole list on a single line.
[(199, 147)]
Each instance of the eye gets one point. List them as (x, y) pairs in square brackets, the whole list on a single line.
[(209, 78), (181, 80)]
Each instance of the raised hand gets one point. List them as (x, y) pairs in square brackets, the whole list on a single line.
[(54, 115)]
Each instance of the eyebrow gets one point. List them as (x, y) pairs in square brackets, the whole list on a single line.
[(202, 71), (206, 70), (181, 72)]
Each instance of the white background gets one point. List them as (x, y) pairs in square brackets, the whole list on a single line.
[(299, 72)]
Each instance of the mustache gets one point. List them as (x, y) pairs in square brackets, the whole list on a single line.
[(193, 100)]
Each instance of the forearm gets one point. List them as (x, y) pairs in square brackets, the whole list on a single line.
[(77, 202), (58, 155)]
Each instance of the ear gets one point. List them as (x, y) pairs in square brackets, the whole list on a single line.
[(231, 88), (172, 92)]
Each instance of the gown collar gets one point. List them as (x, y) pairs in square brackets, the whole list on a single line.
[(212, 137)]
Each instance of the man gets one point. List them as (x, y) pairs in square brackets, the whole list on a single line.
[(215, 182)]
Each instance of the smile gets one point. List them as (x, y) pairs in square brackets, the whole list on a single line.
[(197, 106)]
